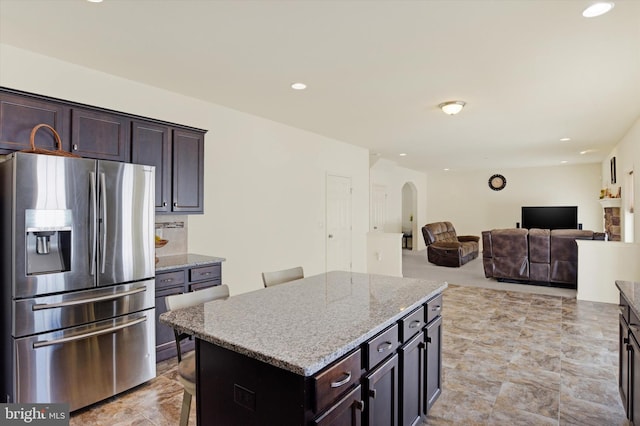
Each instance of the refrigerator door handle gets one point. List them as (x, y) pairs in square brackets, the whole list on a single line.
[(92, 223), (45, 343), (41, 306), (103, 243)]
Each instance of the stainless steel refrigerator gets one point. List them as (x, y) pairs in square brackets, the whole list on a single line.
[(77, 278)]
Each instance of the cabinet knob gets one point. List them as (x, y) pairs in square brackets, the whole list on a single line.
[(359, 405), (75, 146), (164, 204), (175, 204), (372, 393), (428, 339)]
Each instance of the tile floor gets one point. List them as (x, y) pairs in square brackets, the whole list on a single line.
[(509, 358), (512, 358)]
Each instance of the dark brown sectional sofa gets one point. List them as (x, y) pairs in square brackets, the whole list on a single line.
[(536, 256)]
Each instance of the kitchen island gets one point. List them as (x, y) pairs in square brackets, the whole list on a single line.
[(337, 347)]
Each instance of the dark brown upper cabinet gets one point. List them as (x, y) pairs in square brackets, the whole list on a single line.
[(176, 151), (151, 145), (100, 135), (178, 156), (188, 171), (20, 114)]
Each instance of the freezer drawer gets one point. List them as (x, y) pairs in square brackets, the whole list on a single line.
[(85, 364), (49, 313)]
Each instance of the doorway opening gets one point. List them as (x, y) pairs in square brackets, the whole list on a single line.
[(409, 214)]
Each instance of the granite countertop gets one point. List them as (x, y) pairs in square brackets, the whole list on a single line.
[(186, 260), (304, 325), (631, 291)]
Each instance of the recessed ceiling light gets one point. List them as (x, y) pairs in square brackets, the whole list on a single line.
[(94, 1), (298, 86), (452, 107), (564, 162), (565, 139), (446, 170), (403, 154), (588, 151), (597, 9)]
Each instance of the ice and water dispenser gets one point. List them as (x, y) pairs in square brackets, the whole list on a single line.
[(48, 241)]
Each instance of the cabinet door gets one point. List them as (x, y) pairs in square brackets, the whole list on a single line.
[(165, 340), (346, 412), (623, 364), (412, 380), (382, 394), (20, 114), (151, 145), (433, 368), (188, 173), (100, 135), (634, 380)]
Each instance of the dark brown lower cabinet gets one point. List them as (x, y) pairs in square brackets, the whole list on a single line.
[(412, 379), (165, 340), (433, 381), (382, 394), (346, 412), (623, 364), (176, 282)]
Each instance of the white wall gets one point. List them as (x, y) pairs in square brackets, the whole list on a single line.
[(264, 181), (465, 199), (627, 154), (393, 177)]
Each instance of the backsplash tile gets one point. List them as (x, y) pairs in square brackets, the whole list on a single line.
[(174, 229)]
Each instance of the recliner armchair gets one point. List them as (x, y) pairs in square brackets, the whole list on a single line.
[(446, 248)]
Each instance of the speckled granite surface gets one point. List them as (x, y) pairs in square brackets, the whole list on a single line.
[(305, 325), (166, 263), (631, 291)]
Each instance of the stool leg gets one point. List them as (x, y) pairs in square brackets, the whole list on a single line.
[(186, 407)]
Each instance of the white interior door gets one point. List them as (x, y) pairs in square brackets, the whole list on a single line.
[(338, 223), (378, 207)]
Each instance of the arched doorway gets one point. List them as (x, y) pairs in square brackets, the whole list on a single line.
[(409, 216)]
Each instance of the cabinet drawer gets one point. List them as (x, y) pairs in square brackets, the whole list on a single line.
[(335, 380), (205, 273), (411, 324), (203, 284), (169, 279), (381, 346), (434, 308)]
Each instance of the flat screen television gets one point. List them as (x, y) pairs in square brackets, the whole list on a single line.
[(550, 217)]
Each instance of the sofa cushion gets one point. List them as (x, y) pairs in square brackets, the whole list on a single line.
[(439, 232), (509, 256)]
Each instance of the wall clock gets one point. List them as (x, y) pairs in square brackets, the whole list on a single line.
[(497, 182)]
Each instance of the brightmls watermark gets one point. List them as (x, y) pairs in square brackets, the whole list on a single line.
[(34, 414)]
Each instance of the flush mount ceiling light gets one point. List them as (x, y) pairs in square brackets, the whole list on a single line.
[(597, 9), (452, 107), (565, 139), (298, 86)]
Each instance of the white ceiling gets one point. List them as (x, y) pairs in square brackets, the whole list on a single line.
[(531, 71)]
